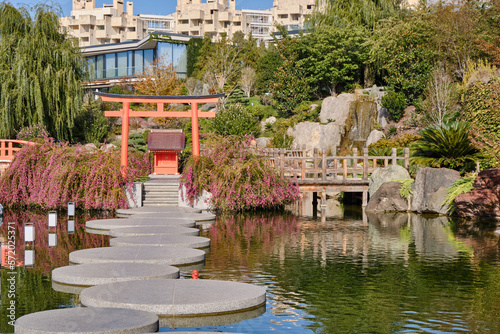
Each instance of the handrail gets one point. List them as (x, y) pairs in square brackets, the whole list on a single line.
[(320, 167), (7, 148)]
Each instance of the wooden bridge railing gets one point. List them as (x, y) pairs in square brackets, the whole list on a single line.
[(320, 167), (8, 147)]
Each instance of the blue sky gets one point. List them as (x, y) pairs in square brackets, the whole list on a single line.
[(161, 7)]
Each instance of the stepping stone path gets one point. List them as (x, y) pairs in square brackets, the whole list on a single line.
[(135, 276), (87, 320), (73, 279), (176, 297), (162, 240), (152, 230), (102, 226), (173, 256)]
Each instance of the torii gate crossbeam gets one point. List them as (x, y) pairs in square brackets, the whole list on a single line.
[(125, 113)]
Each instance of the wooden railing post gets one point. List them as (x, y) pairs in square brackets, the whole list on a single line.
[(303, 163), (344, 165), (355, 163), (282, 158), (323, 164), (407, 158), (365, 163), (315, 163), (394, 157)]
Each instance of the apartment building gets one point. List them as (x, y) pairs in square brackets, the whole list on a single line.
[(115, 23), (112, 23), (292, 13)]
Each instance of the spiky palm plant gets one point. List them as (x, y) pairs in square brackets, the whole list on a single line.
[(447, 145)]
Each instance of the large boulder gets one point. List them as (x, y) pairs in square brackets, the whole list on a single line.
[(315, 135), (431, 188), (388, 199), (374, 137), (484, 199), (336, 108), (386, 174)]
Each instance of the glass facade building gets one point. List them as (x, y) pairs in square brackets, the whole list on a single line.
[(115, 65)]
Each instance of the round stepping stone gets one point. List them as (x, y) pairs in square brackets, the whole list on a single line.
[(198, 217), (192, 297), (174, 256), (162, 240), (159, 209), (152, 230), (211, 320), (87, 320), (102, 226), (73, 279)]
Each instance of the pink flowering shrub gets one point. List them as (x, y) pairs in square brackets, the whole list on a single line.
[(237, 178), (50, 175)]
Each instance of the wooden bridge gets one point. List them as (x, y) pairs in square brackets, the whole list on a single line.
[(322, 173), (8, 148)]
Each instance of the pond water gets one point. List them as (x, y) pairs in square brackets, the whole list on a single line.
[(356, 273)]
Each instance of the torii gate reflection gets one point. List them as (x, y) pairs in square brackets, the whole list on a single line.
[(125, 113)]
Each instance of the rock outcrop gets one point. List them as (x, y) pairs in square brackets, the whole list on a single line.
[(315, 135), (374, 137), (388, 199), (431, 188), (484, 200), (336, 109), (386, 174)]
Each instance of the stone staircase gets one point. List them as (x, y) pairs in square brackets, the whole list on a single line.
[(161, 192)]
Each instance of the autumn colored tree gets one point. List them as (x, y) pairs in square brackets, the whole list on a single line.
[(158, 79)]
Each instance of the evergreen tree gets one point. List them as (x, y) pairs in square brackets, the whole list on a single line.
[(40, 72)]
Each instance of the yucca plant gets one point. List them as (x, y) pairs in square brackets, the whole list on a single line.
[(447, 145)]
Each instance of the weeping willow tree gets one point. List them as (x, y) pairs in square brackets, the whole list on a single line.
[(40, 72), (345, 13)]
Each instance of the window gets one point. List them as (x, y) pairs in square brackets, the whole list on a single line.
[(138, 62), (309, 6), (148, 58), (122, 63), (110, 65)]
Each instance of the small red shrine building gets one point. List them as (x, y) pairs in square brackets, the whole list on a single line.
[(166, 145)]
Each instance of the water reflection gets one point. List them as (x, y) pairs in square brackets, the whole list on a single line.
[(374, 273), (25, 275), (398, 273)]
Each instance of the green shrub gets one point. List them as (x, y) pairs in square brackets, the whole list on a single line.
[(238, 96), (446, 146), (234, 119), (458, 187), (395, 104)]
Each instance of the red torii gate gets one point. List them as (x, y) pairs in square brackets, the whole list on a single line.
[(125, 113)]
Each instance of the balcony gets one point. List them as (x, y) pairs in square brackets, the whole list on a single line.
[(118, 22), (224, 17), (132, 35), (196, 15), (209, 27), (101, 34), (86, 20), (182, 27)]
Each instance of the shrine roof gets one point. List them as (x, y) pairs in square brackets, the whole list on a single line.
[(166, 140)]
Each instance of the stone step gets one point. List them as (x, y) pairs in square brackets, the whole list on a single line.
[(159, 202), (161, 195)]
